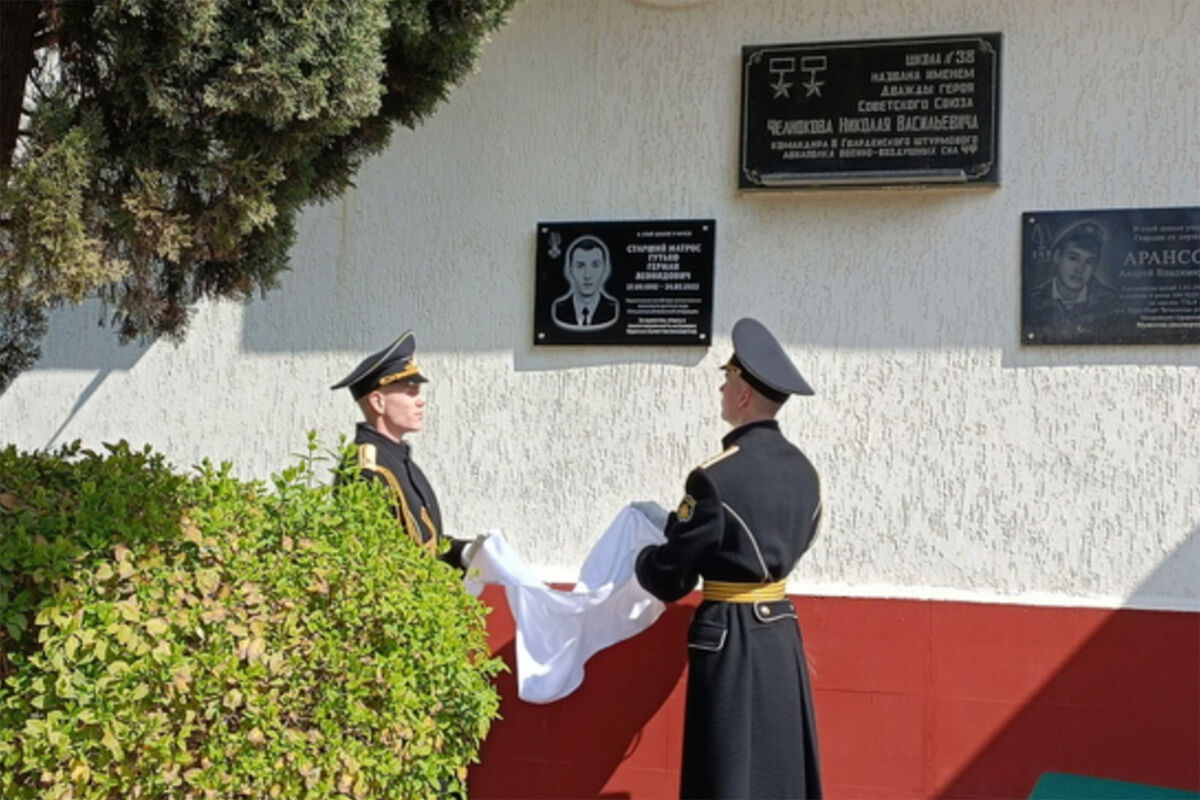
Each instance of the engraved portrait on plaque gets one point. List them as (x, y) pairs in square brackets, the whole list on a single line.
[(642, 282), (1112, 276), (586, 306)]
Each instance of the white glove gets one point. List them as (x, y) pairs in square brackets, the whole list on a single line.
[(472, 548)]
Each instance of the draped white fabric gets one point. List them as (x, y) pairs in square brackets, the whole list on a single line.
[(558, 631)]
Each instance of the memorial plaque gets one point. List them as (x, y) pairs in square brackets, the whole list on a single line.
[(624, 283), (1116, 276), (885, 112)]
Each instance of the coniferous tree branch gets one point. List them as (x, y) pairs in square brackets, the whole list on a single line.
[(171, 143)]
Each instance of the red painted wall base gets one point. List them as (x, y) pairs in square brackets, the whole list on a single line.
[(915, 699)]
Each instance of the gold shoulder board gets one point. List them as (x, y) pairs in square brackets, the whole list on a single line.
[(366, 456), (726, 454)]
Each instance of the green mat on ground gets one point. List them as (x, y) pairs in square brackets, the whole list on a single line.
[(1061, 786)]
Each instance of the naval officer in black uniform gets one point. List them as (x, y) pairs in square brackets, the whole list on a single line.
[(748, 515), (387, 387)]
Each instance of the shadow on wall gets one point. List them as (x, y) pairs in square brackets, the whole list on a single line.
[(915, 699), (333, 299), (479, 294), (352, 282), (1173, 578), (77, 339), (341, 276), (337, 272), (1124, 706)]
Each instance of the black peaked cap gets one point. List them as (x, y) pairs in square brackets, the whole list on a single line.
[(764, 363), (392, 364)]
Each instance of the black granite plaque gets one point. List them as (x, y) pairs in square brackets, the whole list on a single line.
[(624, 283), (885, 112), (1116, 276)]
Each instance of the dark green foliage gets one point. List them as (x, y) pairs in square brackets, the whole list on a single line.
[(172, 142), (202, 637), (21, 327)]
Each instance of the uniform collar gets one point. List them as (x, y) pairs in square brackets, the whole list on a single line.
[(737, 433), (369, 434), (1080, 299)]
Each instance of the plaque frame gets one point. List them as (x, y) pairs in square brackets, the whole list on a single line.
[(1140, 266), (656, 287), (810, 130)]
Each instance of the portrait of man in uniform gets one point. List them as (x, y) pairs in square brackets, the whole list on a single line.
[(1074, 298), (587, 306)]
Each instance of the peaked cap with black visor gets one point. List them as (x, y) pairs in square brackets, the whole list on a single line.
[(392, 364), (760, 361)]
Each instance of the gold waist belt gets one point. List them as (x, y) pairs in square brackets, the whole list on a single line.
[(728, 592)]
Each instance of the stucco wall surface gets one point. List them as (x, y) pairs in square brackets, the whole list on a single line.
[(955, 462)]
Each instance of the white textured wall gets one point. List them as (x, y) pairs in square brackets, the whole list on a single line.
[(955, 463)]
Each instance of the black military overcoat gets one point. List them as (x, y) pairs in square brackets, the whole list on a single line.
[(748, 516), (416, 506)]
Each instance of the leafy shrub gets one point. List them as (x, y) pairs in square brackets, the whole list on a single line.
[(203, 637)]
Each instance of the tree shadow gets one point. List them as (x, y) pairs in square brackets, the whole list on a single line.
[(78, 337), (1125, 705)]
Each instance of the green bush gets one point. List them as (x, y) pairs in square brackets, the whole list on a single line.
[(198, 636)]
